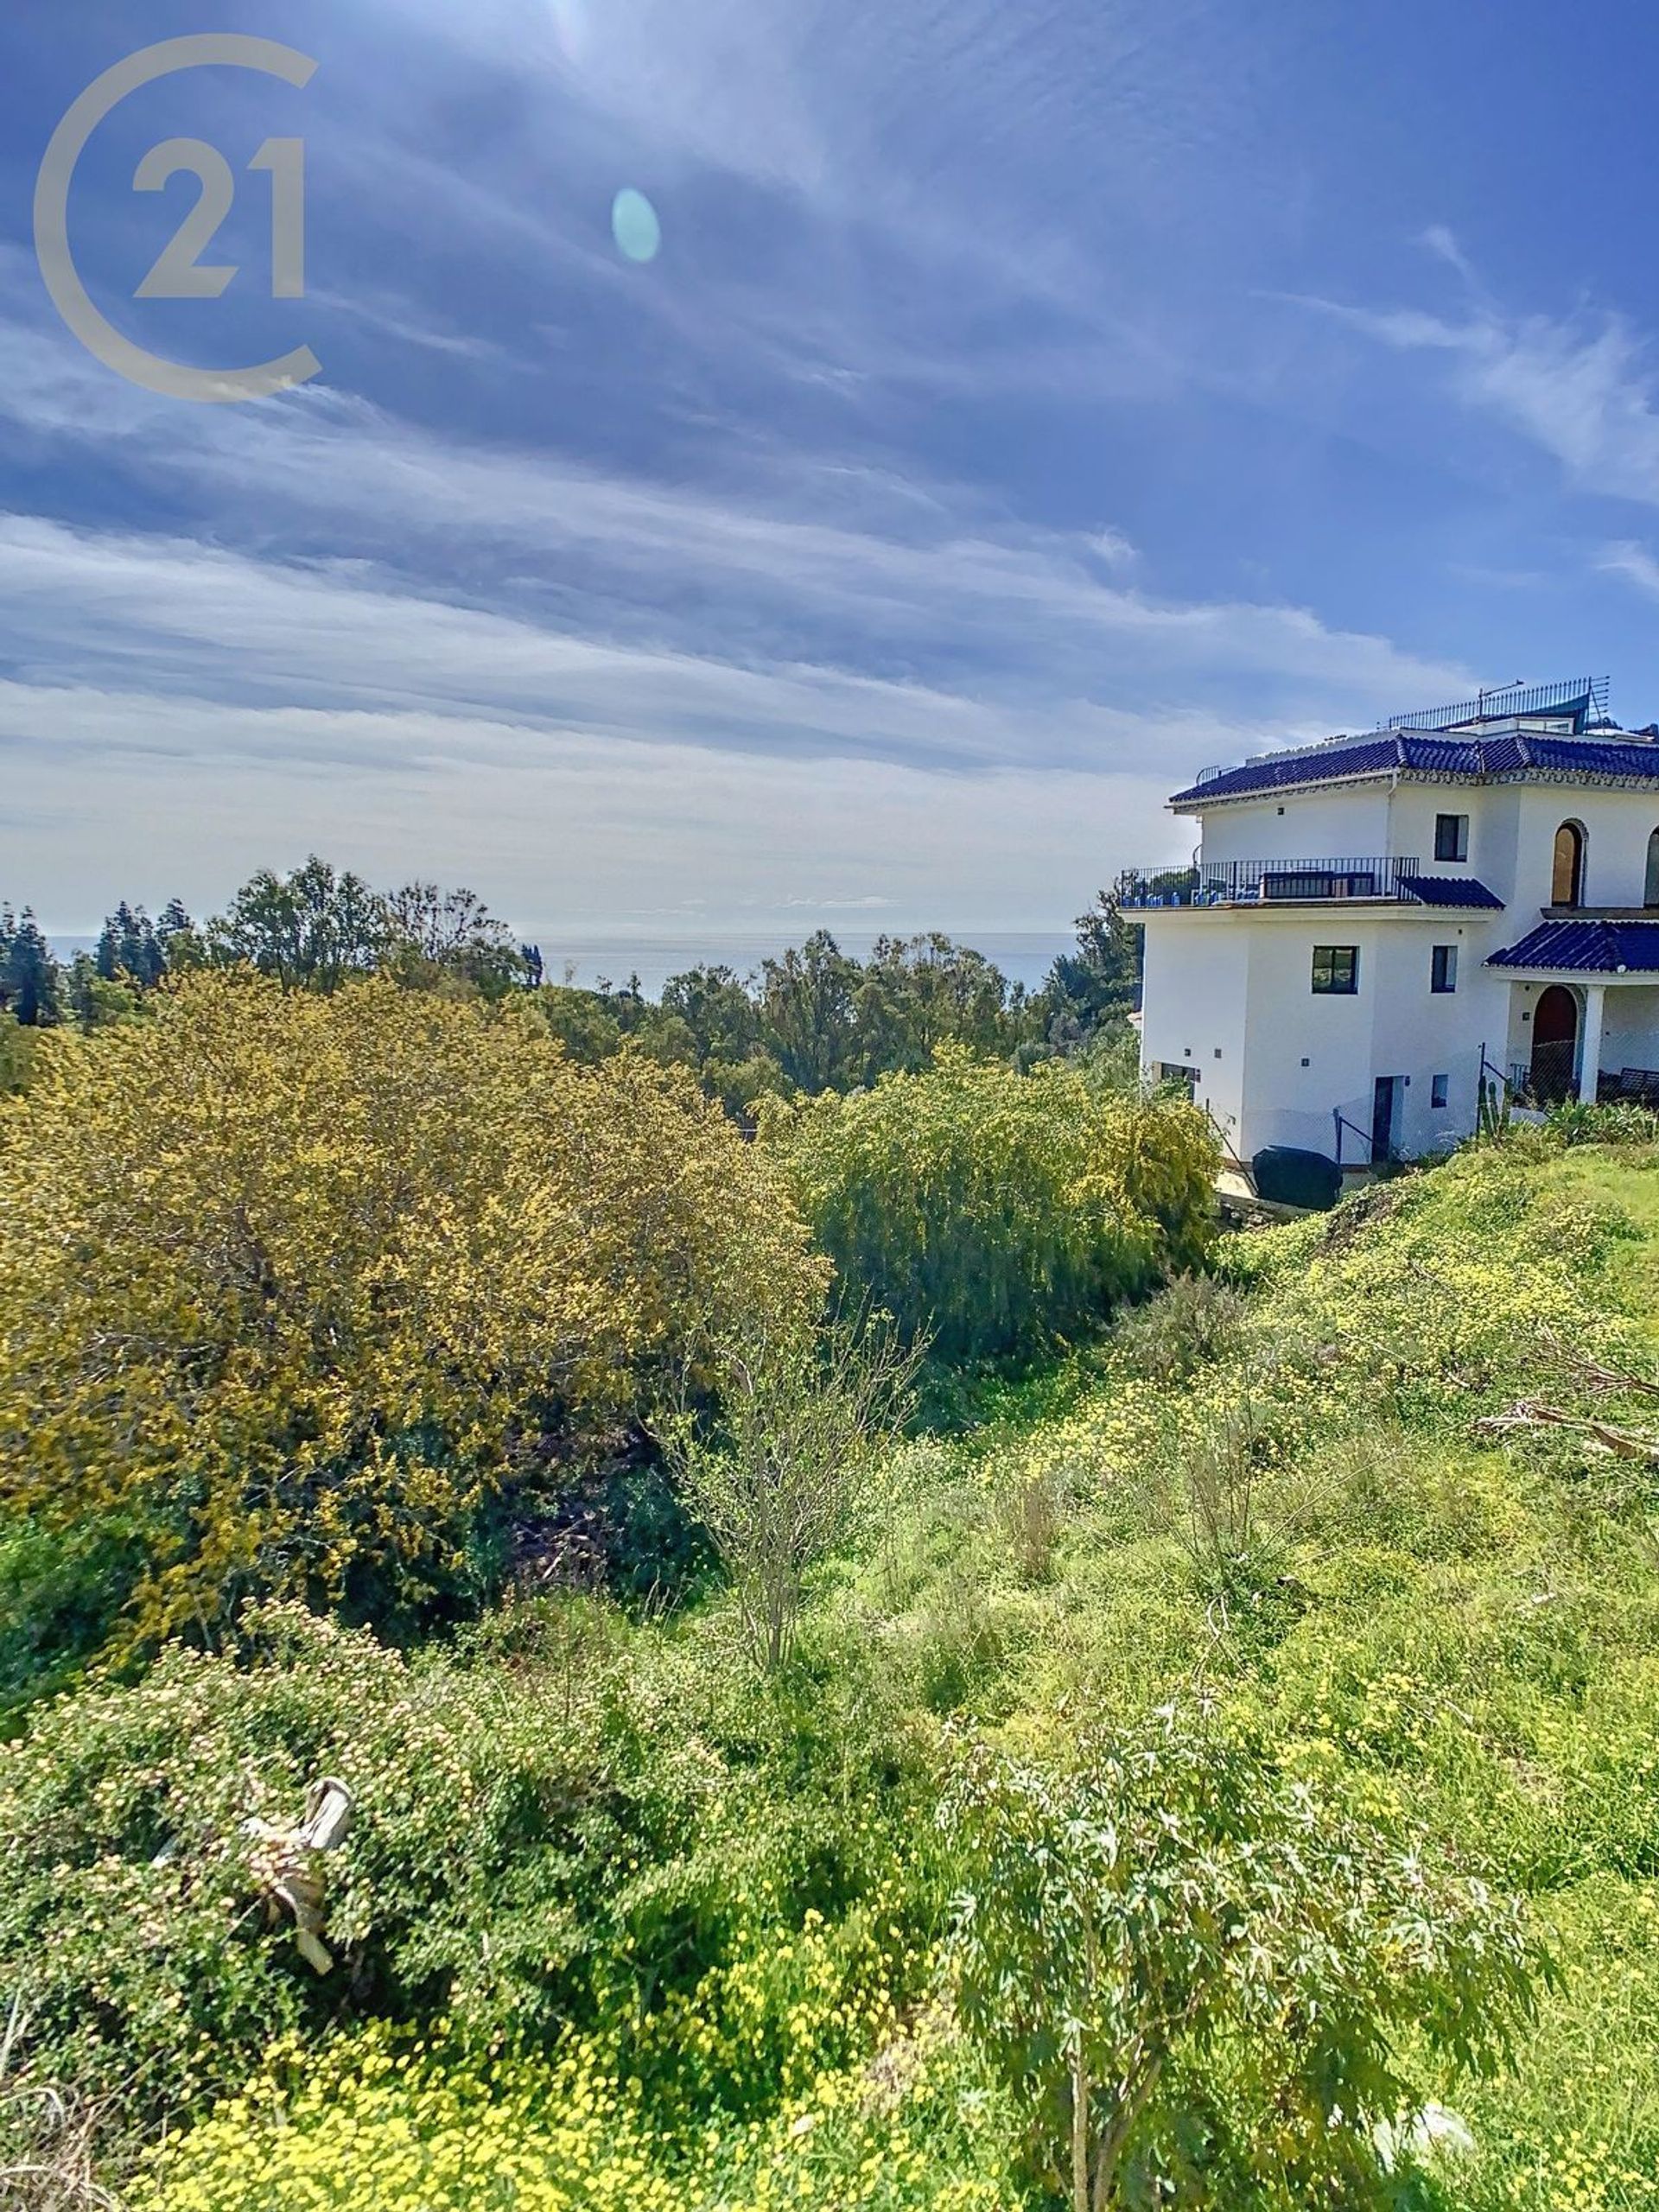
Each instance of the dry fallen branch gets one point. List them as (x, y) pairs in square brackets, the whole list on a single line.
[(46, 2138), (1594, 1375), (1533, 1413)]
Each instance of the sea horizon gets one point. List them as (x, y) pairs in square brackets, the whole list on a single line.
[(587, 958)]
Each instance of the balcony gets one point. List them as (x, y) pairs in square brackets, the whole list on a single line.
[(1267, 883)]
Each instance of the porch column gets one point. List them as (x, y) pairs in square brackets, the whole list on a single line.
[(1595, 1008)]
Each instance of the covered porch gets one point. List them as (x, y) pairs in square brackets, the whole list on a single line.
[(1584, 1013), (1584, 1038), (1593, 1041)]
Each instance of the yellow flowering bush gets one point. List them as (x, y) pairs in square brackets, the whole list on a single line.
[(377, 2125), (291, 1285)]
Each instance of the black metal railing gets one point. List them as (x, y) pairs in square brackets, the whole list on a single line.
[(1589, 693), (1629, 1087), (1369, 1155), (1267, 883)]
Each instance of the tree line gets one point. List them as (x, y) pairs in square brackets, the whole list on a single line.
[(815, 1019)]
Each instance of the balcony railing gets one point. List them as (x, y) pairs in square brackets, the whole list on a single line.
[(1267, 883)]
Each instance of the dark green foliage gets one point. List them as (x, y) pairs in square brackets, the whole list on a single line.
[(129, 949), (1091, 992), (312, 930), (435, 937), (59, 1590), (815, 1020), (31, 982)]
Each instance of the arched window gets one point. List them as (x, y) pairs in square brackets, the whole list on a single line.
[(1566, 886), (1650, 896)]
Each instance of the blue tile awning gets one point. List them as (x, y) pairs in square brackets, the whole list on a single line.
[(1588, 948), (1452, 891)]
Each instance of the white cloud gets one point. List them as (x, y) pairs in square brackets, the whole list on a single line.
[(1112, 547), (925, 577), (1583, 391), (141, 796), (1627, 559), (171, 615)]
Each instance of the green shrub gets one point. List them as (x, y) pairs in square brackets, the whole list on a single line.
[(1191, 1976), (999, 1212), (1196, 1320), (550, 1832), (1620, 1121)]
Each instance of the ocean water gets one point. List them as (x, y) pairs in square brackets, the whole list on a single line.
[(1024, 955)]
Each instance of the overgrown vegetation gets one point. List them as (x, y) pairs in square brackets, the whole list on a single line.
[(1221, 1774), (301, 1292), (995, 1213)]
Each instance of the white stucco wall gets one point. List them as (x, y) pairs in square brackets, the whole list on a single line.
[(1195, 999), (1630, 1031), (1309, 825), (1617, 824), (1229, 991)]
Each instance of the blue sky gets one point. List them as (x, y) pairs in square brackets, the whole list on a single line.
[(1029, 405)]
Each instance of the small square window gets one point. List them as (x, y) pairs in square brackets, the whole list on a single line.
[(1451, 836), (1443, 975), (1440, 1092), (1336, 970)]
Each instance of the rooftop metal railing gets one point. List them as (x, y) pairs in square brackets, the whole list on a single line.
[(1267, 883)]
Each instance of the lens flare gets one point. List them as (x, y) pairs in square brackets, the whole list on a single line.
[(634, 225)]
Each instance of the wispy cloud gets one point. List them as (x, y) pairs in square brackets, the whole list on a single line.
[(1634, 562), (897, 574), (1585, 389), (153, 794)]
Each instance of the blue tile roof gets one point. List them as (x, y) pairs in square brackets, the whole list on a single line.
[(1587, 947), (1515, 758), (1451, 891)]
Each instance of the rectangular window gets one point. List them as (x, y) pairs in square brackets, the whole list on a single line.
[(1451, 836), (1441, 1090), (1444, 974), (1336, 970)]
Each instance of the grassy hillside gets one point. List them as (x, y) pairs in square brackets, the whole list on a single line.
[(630, 1927), (1288, 1497)]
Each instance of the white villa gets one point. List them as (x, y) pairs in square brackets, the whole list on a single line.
[(1373, 927)]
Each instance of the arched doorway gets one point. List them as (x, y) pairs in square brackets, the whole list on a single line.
[(1650, 896), (1554, 1046), (1567, 882)]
